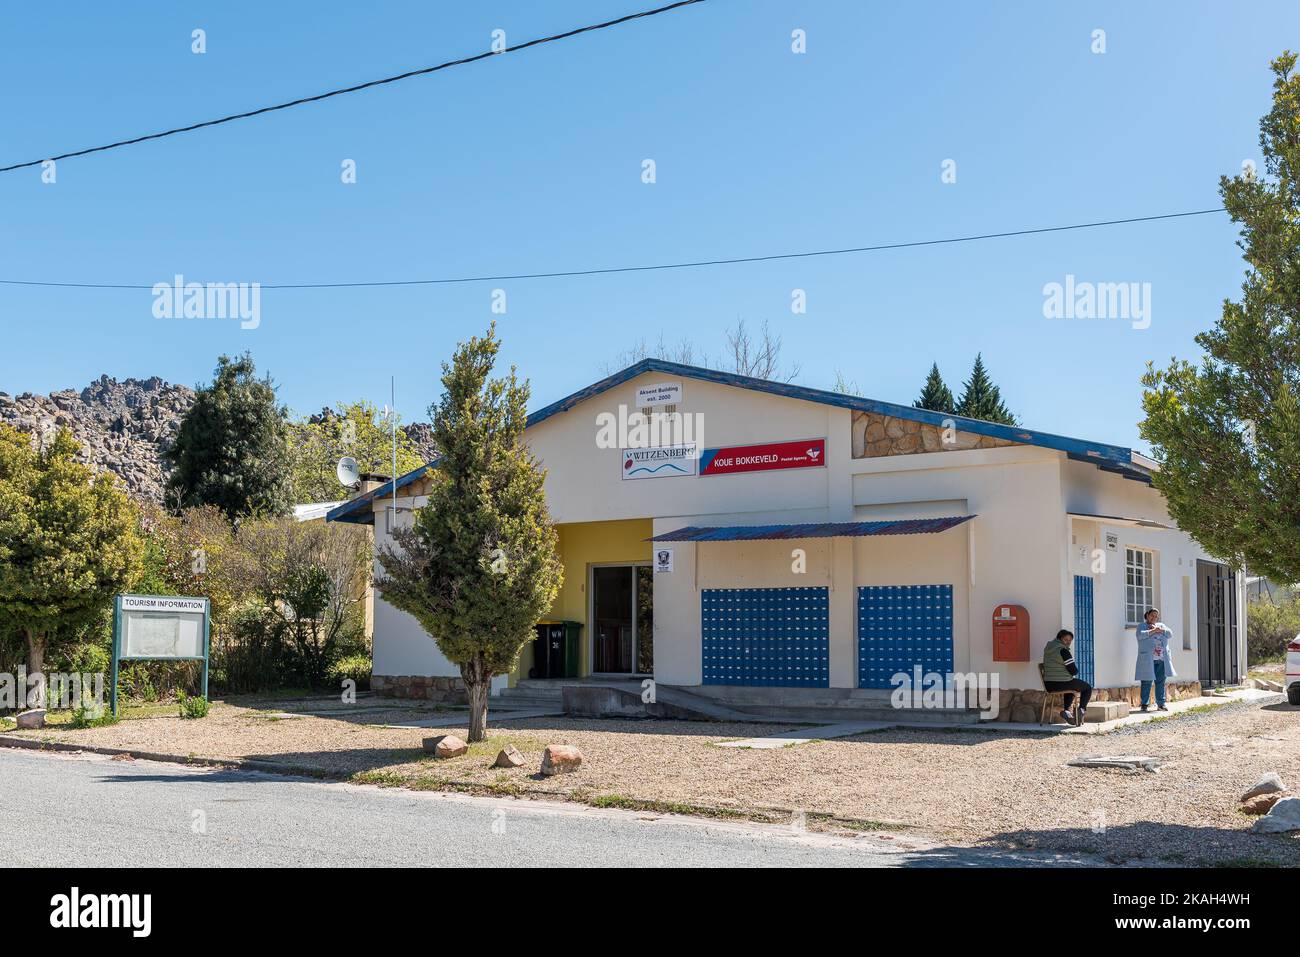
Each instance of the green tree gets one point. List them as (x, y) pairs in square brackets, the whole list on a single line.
[(312, 578), (1226, 431), (935, 396), (317, 443), (479, 566), (981, 399), (68, 543), (231, 450)]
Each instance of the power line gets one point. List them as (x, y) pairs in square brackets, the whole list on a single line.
[(360, 86), (661, 266)]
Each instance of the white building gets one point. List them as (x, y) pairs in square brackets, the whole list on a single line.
[(919, 528)]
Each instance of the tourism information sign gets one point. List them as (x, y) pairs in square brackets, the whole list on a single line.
[(159, 628)]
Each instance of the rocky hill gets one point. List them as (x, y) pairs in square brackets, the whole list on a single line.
[(123, 427)]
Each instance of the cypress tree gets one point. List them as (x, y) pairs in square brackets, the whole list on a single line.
[(231, 451), (981, 399), (935, 396)]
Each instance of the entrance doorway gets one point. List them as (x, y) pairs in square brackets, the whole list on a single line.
[(622, 612), (1216, 624)]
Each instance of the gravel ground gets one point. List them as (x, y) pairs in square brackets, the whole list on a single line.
[(973, 787)]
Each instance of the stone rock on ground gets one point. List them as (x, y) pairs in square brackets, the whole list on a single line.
[(1135, 762), (1261, 805), (1269, 784), (561, 759), (445, 746), (1284, 817), (509, 758), (35, 718)]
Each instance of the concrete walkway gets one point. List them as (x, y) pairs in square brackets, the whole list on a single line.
[(1137, 717), (802, 735)]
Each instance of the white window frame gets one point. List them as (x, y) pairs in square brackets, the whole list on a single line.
[(1138, 597)]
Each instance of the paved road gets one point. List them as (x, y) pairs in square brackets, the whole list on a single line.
[(80, 810)]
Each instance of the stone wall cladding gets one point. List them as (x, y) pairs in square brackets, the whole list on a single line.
[(1025, 705), (420, 687), (875, 435)]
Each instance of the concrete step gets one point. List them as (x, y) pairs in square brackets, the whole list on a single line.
[(831, 705), (517, 697), (527, 700), (847, 714)]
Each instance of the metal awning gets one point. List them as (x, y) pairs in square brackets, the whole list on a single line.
[(1121, 520), (754, 533)]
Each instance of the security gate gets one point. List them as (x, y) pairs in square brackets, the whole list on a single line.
[(1084, 645), (1217, 639), (900, 627), (772, 637)]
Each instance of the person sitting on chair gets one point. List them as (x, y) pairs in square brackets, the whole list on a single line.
[(1060, 673)]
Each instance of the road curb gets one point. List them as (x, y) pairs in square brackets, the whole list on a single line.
[(242, 764)]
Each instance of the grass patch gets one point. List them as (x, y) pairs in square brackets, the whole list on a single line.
[(1174, 715), (853, 824), (662, 807), (192, 707), (380, 777)]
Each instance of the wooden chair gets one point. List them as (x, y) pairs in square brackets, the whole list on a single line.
[(1049, 697)]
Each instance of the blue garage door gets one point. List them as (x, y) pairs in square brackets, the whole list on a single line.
[(901, 626), (773, 637), (1084, 655)]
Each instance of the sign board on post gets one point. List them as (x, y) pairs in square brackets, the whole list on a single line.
[(159, 628)]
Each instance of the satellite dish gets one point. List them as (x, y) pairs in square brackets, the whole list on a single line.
[(347, 471)]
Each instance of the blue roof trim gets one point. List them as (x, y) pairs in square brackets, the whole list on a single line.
[(1093, 450), (755, 533), (1112, 458)]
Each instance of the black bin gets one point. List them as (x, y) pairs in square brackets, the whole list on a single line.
[(555, 650), (548, 651)]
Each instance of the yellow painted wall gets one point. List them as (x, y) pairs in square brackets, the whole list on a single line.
[(583, 544)]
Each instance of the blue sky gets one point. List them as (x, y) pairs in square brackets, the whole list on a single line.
[(532, 162)]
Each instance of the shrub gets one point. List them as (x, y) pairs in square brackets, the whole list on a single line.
[(1269, 627), (355, 666), (192, 706), (91, 716)]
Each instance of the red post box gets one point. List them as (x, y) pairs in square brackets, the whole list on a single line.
[(1010, 633)]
